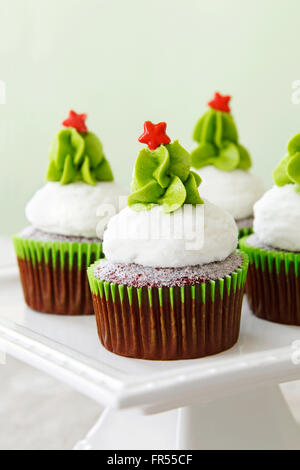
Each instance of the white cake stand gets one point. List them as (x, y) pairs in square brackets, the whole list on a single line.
[(228, 401)]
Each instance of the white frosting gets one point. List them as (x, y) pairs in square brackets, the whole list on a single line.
[(71, 209), (235, 191), (122, 244), (277, 218)]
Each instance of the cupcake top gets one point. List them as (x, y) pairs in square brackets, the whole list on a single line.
[(162, 174), (167, 223), (79, 182), (77, 154), (223, 162), (145, 276), (277, 213)]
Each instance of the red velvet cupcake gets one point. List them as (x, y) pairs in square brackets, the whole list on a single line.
[(273, 285), (64, 237), (172, 284)]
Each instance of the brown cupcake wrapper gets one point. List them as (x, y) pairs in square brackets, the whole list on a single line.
[(273, 284), (169, 323), (53, 275)]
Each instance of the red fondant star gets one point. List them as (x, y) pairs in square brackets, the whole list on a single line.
[(220, 102), (154, 135), (77, 121)]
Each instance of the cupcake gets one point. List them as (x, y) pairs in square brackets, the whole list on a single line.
[(224, 164), (273, 285), (67, 218), (171, 284)]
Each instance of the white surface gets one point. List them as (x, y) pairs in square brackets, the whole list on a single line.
[(38, 412), (69, 349), (254, 420), (131, 430), (235, 191), (186, 237), (234, 396), (75, 209), (277, 218)]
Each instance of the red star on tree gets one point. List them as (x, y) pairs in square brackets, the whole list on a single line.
[(77, 121), (154, 135), (220, 102)]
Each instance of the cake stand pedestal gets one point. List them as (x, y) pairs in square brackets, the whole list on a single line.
[(257, 419)]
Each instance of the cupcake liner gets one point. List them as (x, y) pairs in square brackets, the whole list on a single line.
[(273, 284), (53, 275), (169, 323), (243, 232)]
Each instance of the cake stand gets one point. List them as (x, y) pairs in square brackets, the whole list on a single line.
[(227, 401)]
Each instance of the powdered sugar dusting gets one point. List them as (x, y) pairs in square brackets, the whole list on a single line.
[(254, 241), (136, 275), (35, 234)]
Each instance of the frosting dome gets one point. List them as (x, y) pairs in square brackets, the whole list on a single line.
[(235, 191), (122, 244), (77, 155), (162, 174), (277, 218), (72, 209), (217, 136)]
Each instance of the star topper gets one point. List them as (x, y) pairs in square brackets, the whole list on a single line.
[(77, 121), (154, 135), (220, 102)]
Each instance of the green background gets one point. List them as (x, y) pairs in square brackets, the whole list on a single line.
[(124, 62)]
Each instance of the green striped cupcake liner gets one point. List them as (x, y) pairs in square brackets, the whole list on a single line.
[(273, 284), (243, 232), (53, 274), (169, 323)]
